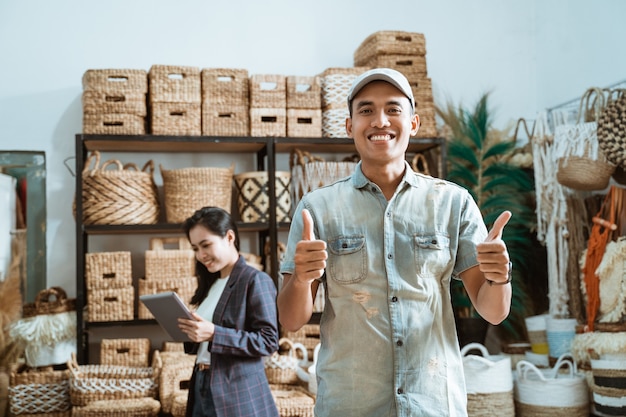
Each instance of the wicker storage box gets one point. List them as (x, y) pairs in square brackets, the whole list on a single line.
[(185, 287), (189, 189), (89, 383), (176, 118), (108, 270), (163, 263), (125, 352), (174, 84), (304, 123), (111, 304), (40, 391), (268, 91), (132, 407), (179, 405), (225, 87), (103, 102), (292, 400), (124, 195), (388, 42), (428, 123), (423, 92), (268, 122), (253, 196), (335, 84), (174, 379), (116, 80), (304, 92), (412, 66), (225, 120), (113, 124)]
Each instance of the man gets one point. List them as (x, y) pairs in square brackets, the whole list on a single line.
[(385, 243)]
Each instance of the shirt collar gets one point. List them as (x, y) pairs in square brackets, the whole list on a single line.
[(359, 180)]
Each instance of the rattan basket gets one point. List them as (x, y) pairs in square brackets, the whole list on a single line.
[(225, 120), (185, 287), (110, 304), (335, 83), (253, 196), (268, 91), (389, 42), (39, 391), (167, 263), (52, 300), (304, 92), (225, 87), (130, 407), (266, 121), (412, 66), (125, 195), (292, 400), (189, 189), (98, 102), (174, 379), (282, 368), (583, 173), (108, 270), (113, 124), (304, 123), (116, 80), (174, 84), (178, 119), (125, 352), (179, 405), (90, 383)]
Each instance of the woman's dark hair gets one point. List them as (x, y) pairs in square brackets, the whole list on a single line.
[(218, 222)]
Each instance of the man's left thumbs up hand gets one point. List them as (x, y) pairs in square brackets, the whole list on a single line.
[(493, 256)]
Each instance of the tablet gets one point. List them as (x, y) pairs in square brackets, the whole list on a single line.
[(167, 307)]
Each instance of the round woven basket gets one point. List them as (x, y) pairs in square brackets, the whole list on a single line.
[(612, 131), (253, 199), (582, 173), (189, 189), (124, 195)]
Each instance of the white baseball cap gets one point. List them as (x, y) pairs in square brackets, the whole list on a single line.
[(393, 77)]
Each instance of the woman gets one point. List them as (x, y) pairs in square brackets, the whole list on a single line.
[(235, 323)]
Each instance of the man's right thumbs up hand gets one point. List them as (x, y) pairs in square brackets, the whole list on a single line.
[(311, 255)]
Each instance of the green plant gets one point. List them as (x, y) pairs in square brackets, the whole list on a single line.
[(479, 159)]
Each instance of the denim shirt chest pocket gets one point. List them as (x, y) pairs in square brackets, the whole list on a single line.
[(432, 254), (347, 260)]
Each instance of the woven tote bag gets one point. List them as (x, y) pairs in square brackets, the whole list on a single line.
[(612, 128), (582, 165)]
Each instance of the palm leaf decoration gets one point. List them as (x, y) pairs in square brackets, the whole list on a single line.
[(477, 160)]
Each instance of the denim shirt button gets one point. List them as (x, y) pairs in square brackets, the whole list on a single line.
[(400, 391), (390, 256), (399, 343), (394, 299)]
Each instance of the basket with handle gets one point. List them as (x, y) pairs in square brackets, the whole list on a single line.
[(123, 195), (189, 189), (551, 393), (282, 368), (52, 300), (39, 391), (488, 381), (420, 164)]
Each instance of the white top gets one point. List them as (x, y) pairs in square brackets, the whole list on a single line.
[(206, 310)]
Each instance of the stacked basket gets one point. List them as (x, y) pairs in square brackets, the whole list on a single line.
[(109, 283), (404, 52), (114, 101), (175, 98), (225, 101), (268, 105), (304, 107), (125, 352), (335, 84), (168, 270)]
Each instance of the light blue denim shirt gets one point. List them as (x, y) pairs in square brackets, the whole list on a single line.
[(389, 345)]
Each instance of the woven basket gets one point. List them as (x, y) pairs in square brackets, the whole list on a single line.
[(113, 124), (388, 42), (189, 189), (268, 91), (253, 196), (163, 263), (268, 121), (90, 383), (609, 383), (225, 87), (428, 123), (304, 92), (282, 369), (178, 119), (612, 130), (292, 400), (309, 172), (335, 83), (108, 270), (110, 304), (125, 352), (412, 66), (225, 120), (125, 195), (420, 164), (131, 407), (174, 380), (583, 173), (38, 391), (185, 287), (179, 405), (304, 123), (116, 80), (99, 102), (49, 301), (174, 84)]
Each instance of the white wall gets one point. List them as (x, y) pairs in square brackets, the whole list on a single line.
[(530, 55)]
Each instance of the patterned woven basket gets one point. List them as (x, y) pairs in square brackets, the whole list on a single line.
[(90, 383), (388, 42), (130, 407), (39, 391), (125, 352), (166, 263), (335, 84), (125, 195), (189, 189), (253, 196), (612, 129)]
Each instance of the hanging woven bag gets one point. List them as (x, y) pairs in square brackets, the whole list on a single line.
[(612, 131)]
